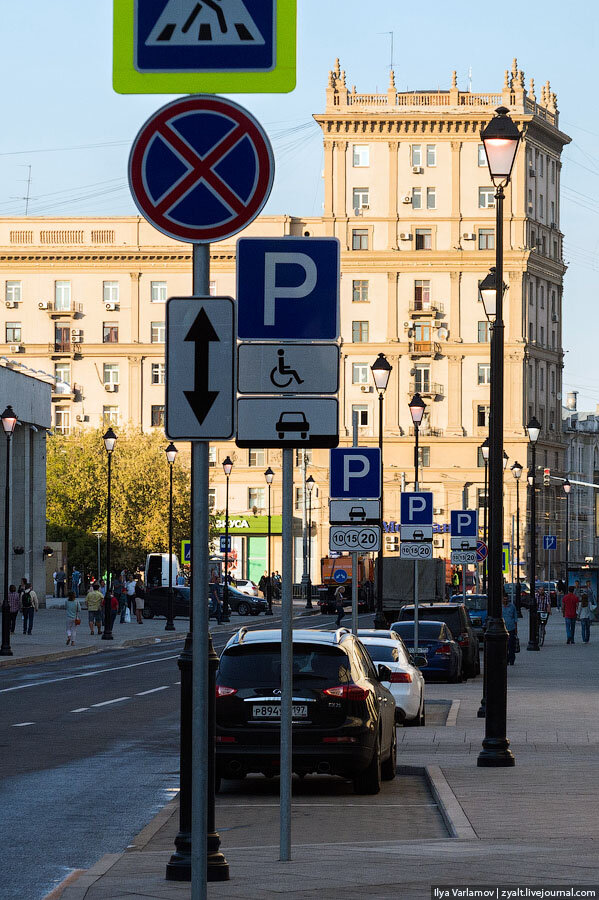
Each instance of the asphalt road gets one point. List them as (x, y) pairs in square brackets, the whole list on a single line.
[(88, 754)]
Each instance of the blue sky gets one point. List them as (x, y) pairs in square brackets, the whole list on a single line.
[(61, 116)]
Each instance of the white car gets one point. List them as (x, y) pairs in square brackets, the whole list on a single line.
[(246, 586), (407, 681)]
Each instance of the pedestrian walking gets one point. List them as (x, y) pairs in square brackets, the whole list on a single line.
[(75, 580), (13, 603), (584, 614), (216, 607), (93, 602), (29, 606), (61, 580), (130, 589), (569, 608), (140, 596), (73, 608), (510, 617), (119, 591), (111, 607), (339, 596)]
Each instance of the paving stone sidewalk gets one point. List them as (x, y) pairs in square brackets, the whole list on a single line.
[(528, 825)]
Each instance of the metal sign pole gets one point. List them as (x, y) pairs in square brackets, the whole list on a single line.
[(354, 556), (286, 658)]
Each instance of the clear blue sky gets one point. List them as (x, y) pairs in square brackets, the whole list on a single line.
[(61, 116)]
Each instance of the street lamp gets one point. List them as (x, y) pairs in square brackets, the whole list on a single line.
[(9, 423), (381, 371), (534, 430), (567, 489), (485, 455), (500, 139), (98, 535), (517, 473), (227, 468), (171, 455), (269, 475), (417, 407), (109, 442), (309, 487)]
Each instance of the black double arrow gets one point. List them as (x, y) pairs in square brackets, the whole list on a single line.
[(201, 334)]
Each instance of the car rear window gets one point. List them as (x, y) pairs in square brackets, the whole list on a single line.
[(261, 665), (426, 631), (382, 652), (476, 601), (451, 616)]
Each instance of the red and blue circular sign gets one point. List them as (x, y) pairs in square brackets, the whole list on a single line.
[(201, 169), (482, 551)]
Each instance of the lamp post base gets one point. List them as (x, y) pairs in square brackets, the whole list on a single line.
[(218, 867), (107, 635), (178, 868), (495, 754), (532, 646), (308, 595), (170, 626)]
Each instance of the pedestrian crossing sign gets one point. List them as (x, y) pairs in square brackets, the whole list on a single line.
[(204, 46)]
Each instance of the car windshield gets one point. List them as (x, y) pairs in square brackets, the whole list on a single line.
[(476, 601), (260, 666), (428, 631), (382, 652)]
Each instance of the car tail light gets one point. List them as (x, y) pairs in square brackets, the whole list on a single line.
[(400, 678), (444, 648), (222, 691), (347, 691), (224, 739), (340, 740), (463, 640)]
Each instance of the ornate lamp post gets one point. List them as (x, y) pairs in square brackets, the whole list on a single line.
[(227, 468), (500, 139), (517, 473), (485, 455), (417, 407), (534, 430), (309, 487), (381, 371), (269, 475), (567, 488), (109, 442), (9, 423), (171, 455)]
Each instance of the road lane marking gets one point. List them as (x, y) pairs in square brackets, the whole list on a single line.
[(81, 709), (22, 724), (108, 702), (164, 687), (146, 662)]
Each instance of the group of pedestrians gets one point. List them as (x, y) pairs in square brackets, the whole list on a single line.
[(577, 604), (22, 599), (276, 583), (127, 594)]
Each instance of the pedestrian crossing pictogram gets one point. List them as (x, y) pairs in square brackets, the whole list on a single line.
[(207, 22)]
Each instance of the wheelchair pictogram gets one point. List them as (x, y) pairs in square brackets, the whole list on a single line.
[(283, 371)]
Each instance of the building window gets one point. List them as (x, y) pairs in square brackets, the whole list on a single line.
[(157, 415), (553, 212), (211, 455), (552, 382), (482, 156), (256, 457), (359, 373), (416, 198), (158, 373), (484, 373), (62, 420), (541, 165), (480, 460), (542, 296), (110, 291), (431, 154), (486, 197), (541, 206), (62, 295), (424, 239), (157, 333), (482, 416), (62, 374), (544, 245), (362, 412), (111, 373), (359, 197), (359, 331), (359, 239), (551, 420), (431, 198), (212, 288), (359, 291), (416, 154), (13, 291), (486, 239), (533, 240), (299, 457), (481, 498), (552, 171), (422, 294), (541, 379), (158, 291), (542, 336), (110, 333), (424, 457), (361, 155), (531, 331), (256, 498), (211, 499), (299, 497), (110, 415), (13, 332), (422, 379), (484, 332)]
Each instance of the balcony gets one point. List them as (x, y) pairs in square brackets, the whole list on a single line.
[(60, 349), (65, 392), (430, 308), (425, 431), (424, 348), (427, 389), (69, 312)]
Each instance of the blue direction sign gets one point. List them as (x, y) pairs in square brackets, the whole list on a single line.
[(549, 542), (416, 508), (355, 472), (201, 169), (340, 576), (225, 543), (288, 289)]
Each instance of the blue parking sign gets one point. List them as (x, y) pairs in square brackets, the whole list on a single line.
[(464, 523), (416, 508), (355, 473)]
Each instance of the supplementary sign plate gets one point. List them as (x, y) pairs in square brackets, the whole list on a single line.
[(416, 550), (416, 532), (285, 422), (288, 368), (354, 512), (464, 557), (200, 367), (366, 538), (188, 46), (201, 169)]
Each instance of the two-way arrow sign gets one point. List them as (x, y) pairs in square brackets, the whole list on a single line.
[(200, 368)]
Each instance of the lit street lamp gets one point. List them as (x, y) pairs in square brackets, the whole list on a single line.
[(309, 487), (269, 475), (227, 468), (109, 442), (381, 371), (171, 455), (9, 423), (534, 430), (567, 489), (517, 473), (500, 139)]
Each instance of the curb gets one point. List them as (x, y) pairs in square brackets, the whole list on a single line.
[(81, 885), (456, 820)]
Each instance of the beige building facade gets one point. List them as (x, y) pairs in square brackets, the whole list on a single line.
[(408, 194)]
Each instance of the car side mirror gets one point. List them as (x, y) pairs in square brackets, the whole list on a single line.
[(419, 661), (384, 672)]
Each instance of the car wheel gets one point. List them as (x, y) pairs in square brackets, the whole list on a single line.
[(254, 611), (147, 613), (243, 608), (369, 781), (389, 767), (422, 716)]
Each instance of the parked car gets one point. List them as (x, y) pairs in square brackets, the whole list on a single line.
[(435, 641), (343, 715), (242, 603), (456, 618), (156, 602), (476, 604), (510, 589), (406, 683), (247, 586)]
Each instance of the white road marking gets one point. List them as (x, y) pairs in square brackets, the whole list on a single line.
[(22, 724), (81, 709), (164, 687), (108, 702), (146, 662)]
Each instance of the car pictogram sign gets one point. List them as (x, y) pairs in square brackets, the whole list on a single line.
[(201, 169)]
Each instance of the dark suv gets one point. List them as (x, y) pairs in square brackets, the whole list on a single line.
[(456, 618), (343, 717)]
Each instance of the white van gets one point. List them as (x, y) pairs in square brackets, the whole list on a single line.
[(157, 569)]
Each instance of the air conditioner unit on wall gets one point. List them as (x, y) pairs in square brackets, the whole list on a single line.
[(407, 199), (406, 236), (16, 348), (438, 510), (10, 304), (111, 388), (438, 542), (532, 173), (112, 306), (417, 170), (366, 388), (76, 335), (43, 304), (469, 236)]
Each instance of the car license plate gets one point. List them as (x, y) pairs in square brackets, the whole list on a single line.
[(272, 711), (421, 651)]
